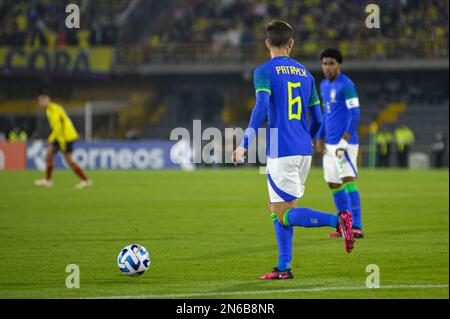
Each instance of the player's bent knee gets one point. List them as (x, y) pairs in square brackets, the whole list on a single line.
[(334, 186), (281, 216), (280, 209), (275, 209)]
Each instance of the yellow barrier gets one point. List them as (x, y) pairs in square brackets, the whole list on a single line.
[(70, 60)]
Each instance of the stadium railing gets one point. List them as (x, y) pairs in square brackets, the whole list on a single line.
[(223, 53)]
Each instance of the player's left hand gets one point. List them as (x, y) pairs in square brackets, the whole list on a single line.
[(238, 155)]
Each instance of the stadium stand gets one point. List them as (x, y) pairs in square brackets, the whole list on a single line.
[(40, 23), (238, 22), (200, 30)]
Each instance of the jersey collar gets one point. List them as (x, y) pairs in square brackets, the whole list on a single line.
[(281, 57), (335, 80)]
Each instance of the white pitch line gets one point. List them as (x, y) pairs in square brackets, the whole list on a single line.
[(267, 292)]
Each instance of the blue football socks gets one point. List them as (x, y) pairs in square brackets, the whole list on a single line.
[(307, 217), (284, 236), (341, 199), (355, 201)]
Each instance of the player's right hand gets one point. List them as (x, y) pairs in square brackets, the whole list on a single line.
[(341, 148), (320, 147), (238, 155)]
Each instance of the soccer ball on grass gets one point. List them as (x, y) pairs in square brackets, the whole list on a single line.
[(133, 260)]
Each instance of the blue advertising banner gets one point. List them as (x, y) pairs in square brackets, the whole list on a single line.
[(120, 155)]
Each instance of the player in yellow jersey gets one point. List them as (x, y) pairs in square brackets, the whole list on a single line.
[(62, 138)]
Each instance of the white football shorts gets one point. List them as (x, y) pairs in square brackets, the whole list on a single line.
[(335, 169), (286, 177)]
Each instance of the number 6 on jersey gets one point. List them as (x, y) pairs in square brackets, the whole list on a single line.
[(292, 102)]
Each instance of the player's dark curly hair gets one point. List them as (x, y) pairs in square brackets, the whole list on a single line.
[(279, 33), (332, 53)]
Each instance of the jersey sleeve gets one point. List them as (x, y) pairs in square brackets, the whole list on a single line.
[(259, 115), (55, 121), (261, 80), (350, 96), (352, 103), (314, 98)]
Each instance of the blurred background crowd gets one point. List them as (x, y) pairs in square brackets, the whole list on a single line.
[(234, 23), (238, 22), (40, 23)]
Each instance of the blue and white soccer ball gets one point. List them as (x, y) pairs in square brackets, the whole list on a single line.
[(133, 260)]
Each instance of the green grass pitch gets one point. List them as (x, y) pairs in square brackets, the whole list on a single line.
[(210, 236)]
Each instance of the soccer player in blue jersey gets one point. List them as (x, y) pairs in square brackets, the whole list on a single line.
[(284, 91), (338, 137)]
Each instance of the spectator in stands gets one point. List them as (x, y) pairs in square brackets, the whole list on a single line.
[(36, 25), (40, 23), (404, 138), (17, 135), (439, 147), (384, 144), (2, 137), (234, 22)]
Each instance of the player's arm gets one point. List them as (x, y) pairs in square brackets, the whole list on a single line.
[(56, 123), (322, 130), (259, 113), (352, 103), (320, 139), (315, 115), (258, 117)]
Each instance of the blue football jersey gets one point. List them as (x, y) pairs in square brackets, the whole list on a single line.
[(292, 90), (338, 98)]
